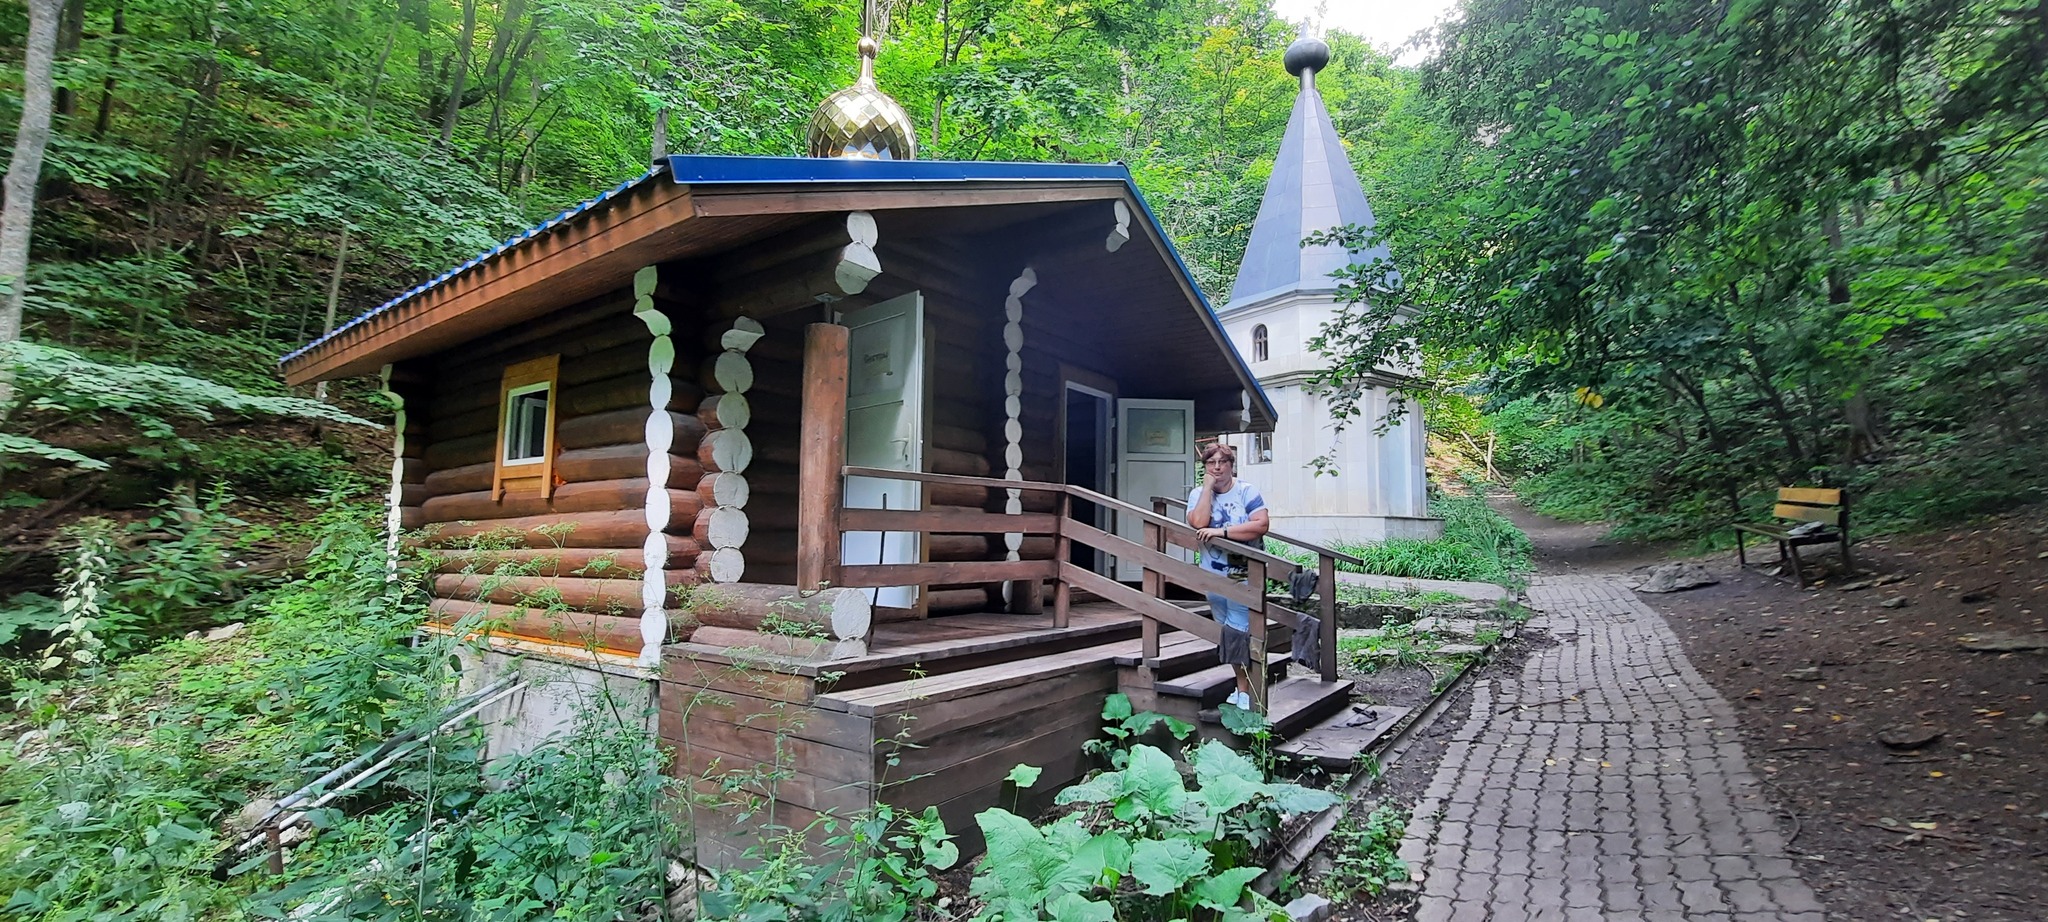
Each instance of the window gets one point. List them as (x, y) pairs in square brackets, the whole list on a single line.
[(526, 424), (1259, 351), (526, 428), (1262, 446)]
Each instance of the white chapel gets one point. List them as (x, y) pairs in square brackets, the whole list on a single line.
[(1283, 296)]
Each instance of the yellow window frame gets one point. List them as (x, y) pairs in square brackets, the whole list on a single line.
[(535, 476)]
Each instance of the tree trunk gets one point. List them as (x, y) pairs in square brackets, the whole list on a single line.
[(105, 118), (69, 32), (457, 81), (17, 212), (660, 147), (377, 77), (334, 297)]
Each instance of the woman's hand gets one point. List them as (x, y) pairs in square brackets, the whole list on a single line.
[(1206, 535)]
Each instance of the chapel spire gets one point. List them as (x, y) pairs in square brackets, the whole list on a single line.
[(1313, 188)]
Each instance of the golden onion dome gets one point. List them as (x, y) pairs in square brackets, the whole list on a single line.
[(861, 122)]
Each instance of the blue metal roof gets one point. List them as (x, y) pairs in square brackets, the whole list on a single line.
[(1313, 188), (549, 225), (711, 169)]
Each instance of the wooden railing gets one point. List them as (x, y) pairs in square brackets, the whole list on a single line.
[(1160, 567), (1326, 584)]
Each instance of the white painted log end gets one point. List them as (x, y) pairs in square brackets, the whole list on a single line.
[(727, 565), (1025, 281), (860, 228), (724, 488), (858, 266), (733, 372), (726, 527), (731, 450), (850, 613)]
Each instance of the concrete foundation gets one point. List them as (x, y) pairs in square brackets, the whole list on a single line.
[(557, 691), (1329, 530)]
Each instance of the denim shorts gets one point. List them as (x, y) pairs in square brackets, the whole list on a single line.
[(1234, 615)]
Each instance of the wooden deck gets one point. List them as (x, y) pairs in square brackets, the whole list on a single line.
[(935, 715)]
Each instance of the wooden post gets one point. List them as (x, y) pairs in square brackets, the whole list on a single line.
[(1063, 549), (821, 486), (1326, 585), (1155, 586), (1255, 578)]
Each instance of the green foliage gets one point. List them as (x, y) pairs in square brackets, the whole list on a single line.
[(1364, 855), (120, 793), (1478, 544), (1687, 253), (1124, 727), (1144, 845), (884, 869)]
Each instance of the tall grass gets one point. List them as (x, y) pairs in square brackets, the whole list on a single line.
[(1478, 545)]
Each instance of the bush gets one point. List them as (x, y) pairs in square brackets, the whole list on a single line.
[(1478, 544)]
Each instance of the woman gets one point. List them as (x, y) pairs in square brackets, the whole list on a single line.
[(1224, 507)]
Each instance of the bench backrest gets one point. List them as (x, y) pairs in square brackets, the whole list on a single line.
[(1809, 504)]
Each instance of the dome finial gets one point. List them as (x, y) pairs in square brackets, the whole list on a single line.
[(1306, 56), (861, 122)]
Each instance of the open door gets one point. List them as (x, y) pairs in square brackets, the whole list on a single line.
[(885, 429), (1155, 457)]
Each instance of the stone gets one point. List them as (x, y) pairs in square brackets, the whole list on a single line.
[(1805, 674), (1897, 601), (1309, 908), (2002, 642), (1908, 738), (224, 632), (245, 820), (1672, 577)]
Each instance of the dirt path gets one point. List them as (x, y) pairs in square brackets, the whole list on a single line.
[(1953, 828), (1564, 548)]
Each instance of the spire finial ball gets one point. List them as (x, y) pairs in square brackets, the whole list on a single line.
[(1306, 54), (868, 47)]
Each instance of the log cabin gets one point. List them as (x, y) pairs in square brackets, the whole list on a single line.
[(854, 471)]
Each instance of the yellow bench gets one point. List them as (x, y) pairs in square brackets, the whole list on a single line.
[(1803, 505)]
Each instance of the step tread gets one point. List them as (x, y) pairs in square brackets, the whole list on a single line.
[(1295, 704), (890, 697), (1213, 684), (1336, 742)]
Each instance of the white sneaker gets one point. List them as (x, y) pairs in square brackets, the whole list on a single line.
[(1239, 699)]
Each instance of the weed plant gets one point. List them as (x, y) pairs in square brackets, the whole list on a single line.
[(1478, 544), (126, 779), (1364, 854)]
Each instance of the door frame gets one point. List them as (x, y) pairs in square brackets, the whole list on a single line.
[(1103, 388), (921, 366)]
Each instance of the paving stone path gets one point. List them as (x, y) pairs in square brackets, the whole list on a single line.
[(1607, 781)]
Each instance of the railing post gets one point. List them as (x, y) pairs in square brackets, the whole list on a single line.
[(1062, 551), (1255, 578), (1155, 586), (1326, 586), (821, 458)]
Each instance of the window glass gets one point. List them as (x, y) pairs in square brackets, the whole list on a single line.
[(1157, 431), (526, 424), (1262, 447), (1259, 351)]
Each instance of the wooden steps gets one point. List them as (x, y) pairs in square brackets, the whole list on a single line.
[(1295, 704), (1335, 743), (1210, 686)]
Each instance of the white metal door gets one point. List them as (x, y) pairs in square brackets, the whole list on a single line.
[(885, 428), (1155, 457)]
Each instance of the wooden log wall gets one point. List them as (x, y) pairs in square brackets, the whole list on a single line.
[(586, 544), (762, 485)]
